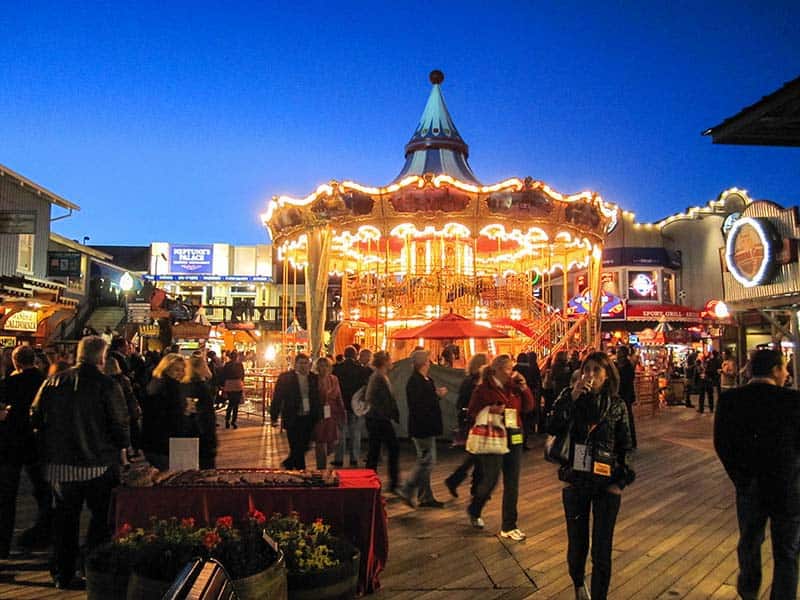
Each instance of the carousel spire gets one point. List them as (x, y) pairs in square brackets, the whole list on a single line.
[(436, 146)]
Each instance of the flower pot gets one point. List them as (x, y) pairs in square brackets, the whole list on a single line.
[(269, 583), (106, 586), (144, 588), (336, 583)]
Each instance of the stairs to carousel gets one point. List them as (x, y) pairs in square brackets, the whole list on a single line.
[(106, 316)]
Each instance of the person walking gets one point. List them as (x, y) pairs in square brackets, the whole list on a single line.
[(535, 385), (82, 423), (163, 410), (596, 419), (470, 461), (382, 412), (424, 425), (326, 431), (296, 400), (233, 388), (18, 450), (114, 370), (352, 376), (727, 373), (506, 393), (757, 439), (198, 399), (627, 389)]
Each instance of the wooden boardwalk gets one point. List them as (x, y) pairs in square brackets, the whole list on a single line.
[(675, 538)]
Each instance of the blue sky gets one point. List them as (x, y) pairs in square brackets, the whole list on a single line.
[(176, 121)]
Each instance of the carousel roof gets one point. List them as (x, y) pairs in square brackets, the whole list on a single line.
[(436, 147)]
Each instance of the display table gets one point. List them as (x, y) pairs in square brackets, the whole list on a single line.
[(355, 510)]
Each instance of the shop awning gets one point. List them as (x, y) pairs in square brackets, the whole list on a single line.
[(671, 313)]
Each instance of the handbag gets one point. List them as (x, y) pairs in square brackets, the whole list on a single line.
[(359, 402), (556, 447), (487, 435)]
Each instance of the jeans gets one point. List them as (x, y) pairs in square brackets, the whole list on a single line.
[(491, 466), (9, 487), (420, 479), (232, 412), (706, 388), (458, 476), (352, 430), (299, 435), (69, 499), (752, 516), (382, 433), (605, 507), (631, 423)]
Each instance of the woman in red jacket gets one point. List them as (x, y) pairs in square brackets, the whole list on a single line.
[(506, 393)]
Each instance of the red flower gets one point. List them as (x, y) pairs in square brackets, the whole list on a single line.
[(225, 522), (318, 521), (124, 530), (211, 539), (258, 516), (188, 523)]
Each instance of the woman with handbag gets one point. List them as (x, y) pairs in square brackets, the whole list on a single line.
[(382, 411), (590, 436), (503, 393)]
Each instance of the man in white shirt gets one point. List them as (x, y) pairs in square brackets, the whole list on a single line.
[(296, 399)]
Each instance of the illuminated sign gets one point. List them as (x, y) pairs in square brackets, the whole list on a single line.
[(750, 251), (643, 285), (729, 221), (191, 259), (612, 306), (24, 320)]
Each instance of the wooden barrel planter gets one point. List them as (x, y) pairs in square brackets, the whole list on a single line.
[(106, 586), (270, 583), (337, 583), (144, 588)]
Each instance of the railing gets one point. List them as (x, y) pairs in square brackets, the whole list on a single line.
[(559, 334), (259, 385)]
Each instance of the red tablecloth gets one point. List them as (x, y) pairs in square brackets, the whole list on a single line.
[(355, 510)]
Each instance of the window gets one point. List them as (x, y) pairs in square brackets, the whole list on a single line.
[(25, 253)]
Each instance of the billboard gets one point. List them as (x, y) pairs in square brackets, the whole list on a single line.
[(194, 259)]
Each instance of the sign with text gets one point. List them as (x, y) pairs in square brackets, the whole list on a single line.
[(193, 259), (17, 222), (24, 320), (63, 264)]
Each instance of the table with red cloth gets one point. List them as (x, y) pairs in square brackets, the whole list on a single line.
[(355, 510)]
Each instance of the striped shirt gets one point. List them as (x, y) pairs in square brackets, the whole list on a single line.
[(66, 473)]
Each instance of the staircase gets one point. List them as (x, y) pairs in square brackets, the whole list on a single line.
[(106, 316)]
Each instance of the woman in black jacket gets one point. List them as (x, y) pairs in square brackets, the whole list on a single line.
[(163, 410), (201, 420), (383, 410), (464, 422), (595, 470)]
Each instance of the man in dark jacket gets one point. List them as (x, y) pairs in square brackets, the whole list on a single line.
[(352, 376), (18, 449), (757, 438), (82, 422), (627, 390), (296, 399), (424, 424)]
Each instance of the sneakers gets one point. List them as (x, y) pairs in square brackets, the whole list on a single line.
[(400, 493), (514, 534), (477, 522)]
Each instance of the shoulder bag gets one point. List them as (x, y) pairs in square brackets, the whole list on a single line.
[(487, 435)]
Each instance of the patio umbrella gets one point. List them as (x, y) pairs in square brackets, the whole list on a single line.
[(449, 327)]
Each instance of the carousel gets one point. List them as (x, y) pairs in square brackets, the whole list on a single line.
[(436, 243)]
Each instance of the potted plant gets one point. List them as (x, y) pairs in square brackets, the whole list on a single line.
[(320, 566), (159, 554), (108, 567)]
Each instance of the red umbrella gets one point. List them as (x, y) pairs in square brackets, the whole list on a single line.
[(449, 327)]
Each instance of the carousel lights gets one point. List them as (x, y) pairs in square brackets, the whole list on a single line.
[(515, 314), (481, 312), (432, 311), (767, 263)]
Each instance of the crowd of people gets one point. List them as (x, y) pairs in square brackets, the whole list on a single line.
[(72, 429)]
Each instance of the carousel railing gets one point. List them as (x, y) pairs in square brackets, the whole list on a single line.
[(259, 384), (558, 333)]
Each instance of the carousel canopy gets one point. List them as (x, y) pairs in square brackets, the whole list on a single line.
[(436, 146), (450, 327)]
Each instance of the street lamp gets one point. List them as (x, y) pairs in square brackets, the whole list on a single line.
[(86, 238)]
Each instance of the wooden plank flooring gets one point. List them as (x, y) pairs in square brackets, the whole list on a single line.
[(675, 537)]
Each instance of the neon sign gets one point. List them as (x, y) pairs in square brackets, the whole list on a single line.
[(642, 285), (750, 251)]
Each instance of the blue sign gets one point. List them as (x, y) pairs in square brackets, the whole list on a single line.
[(613, 307), (195, 259), (212, 278)]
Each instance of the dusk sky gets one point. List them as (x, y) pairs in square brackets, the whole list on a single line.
[(177, 121)]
